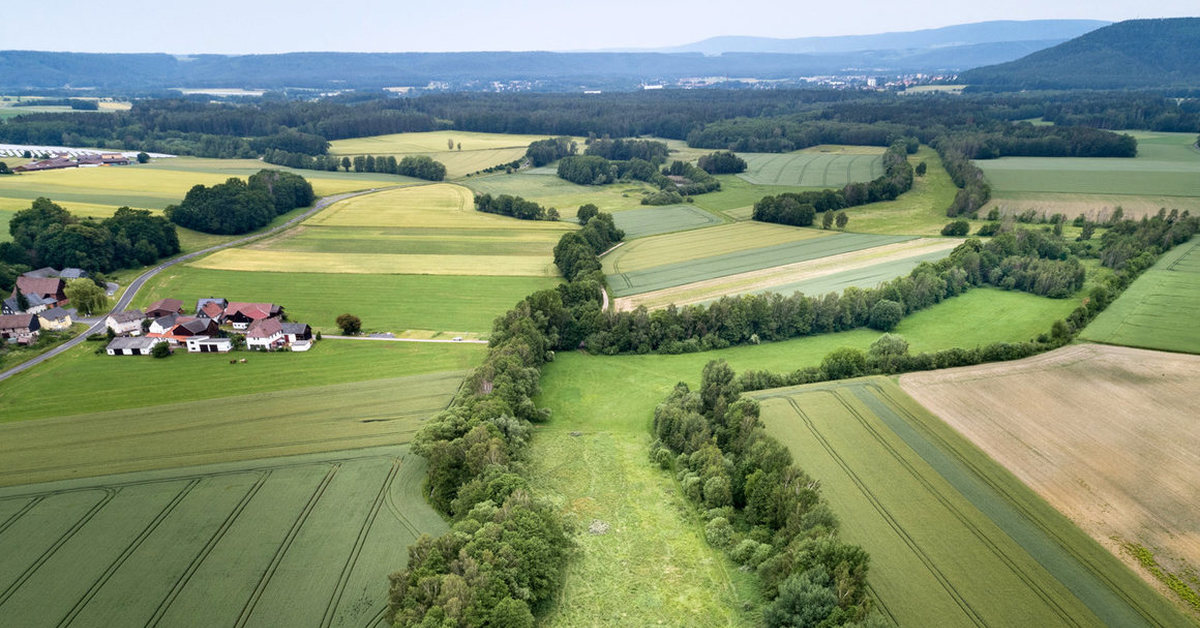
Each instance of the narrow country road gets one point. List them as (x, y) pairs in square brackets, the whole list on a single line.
[(137, 284)]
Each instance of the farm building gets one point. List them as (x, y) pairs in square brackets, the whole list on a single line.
[(55, 319), (296, 332), (128, 345), (47, 272), (182, 328), (266, 334), (206, 344), (164, 307), (44, 287), (127, 323), (243, 315), (54, 163), (20, 328), (211, 307), (162, 324), (35, 304)]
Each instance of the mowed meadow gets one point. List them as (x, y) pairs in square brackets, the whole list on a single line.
[(405, 259), (462, 152)]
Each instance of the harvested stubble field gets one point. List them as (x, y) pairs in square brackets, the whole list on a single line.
[(863, 268), (683, 258), (591, 459), (1107, 435), (226, 429), (954, 540), (445, 303), (1165, 173), (231, 544), (100, 383), (824, 166), (1158, 311), (479, 150)]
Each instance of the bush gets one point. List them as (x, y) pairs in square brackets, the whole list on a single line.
[(956, 228), (844, 363), (889, 345), (885, 315), (350, 324), (719, 532), (161, 350)]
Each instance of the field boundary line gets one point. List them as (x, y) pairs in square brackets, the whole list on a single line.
[(127, 552), (352, 560), (12, 588), (889, 518), (285, 545), (954, 510), (16, 516), (1036, 521), (217, 535)]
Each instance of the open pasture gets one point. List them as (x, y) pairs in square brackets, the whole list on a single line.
[(1107, 435), (690, 256), (864, 268), (226, 545), (919, 211), (1165, 173), (1158, 311), (99, 383), (446, 303), (224, 429), (954, 540), (818, 167), (479, 150)]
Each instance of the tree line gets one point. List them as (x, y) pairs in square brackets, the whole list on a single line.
[(542, 152), (238, 206), (762, 509), (577, 254), (514, 207), (46, 234), (799, 209)]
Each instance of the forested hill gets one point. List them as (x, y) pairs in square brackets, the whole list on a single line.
[(1133, 54)]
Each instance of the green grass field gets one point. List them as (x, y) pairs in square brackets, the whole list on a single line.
[(99, 383), (690, 256), (383, 302), (639, 223), (653, 566), (1167, 165), (819, 166), (234, 544), (550, 191), (479, 150), (1153, 313), (224, 429), (954, 539), (920, 211)]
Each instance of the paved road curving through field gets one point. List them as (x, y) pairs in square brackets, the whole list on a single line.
[(137, 284)]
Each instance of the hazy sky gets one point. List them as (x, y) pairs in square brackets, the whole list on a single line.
[(250, 26)]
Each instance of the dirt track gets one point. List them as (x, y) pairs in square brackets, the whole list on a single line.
[(1108, 435)]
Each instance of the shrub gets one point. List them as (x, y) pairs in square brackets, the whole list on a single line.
[(843, 363), (885, 315), (161, 350), (719, 532), (956, 228), (349, 324)]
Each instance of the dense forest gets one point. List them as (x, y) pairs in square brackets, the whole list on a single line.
[(238, 206), (46, 234)]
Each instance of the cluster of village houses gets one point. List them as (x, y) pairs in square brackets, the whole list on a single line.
[(138, 331)]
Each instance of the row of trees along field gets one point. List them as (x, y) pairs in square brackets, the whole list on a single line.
[(766, 512), (46, 234), (417, 166), (800, 208), (238, 206), (504, 557), (514, 207)]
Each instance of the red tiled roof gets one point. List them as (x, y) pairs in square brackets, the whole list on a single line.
[(168, 305), (255, 311), (212, 309)]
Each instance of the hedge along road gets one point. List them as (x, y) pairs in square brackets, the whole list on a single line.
[(137, 284)]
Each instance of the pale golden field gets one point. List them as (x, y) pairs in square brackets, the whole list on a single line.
[(479, 150), (699, 243), (1108, 435), (378, 264)]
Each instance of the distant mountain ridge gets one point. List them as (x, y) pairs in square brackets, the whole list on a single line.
[(958, 35), (1159, 53)]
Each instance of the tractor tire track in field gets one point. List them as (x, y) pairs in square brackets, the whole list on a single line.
[(889, 518), (984, 539), (1101, 575), (127, 552), (12, 588), (825, 172), (285, 545), (344, 578), (216, 537), (16, 516)]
